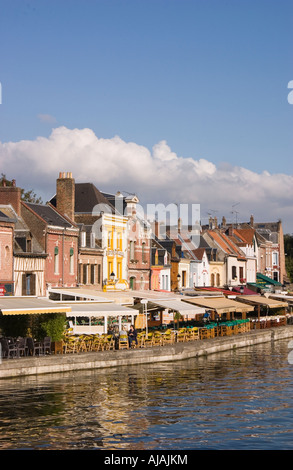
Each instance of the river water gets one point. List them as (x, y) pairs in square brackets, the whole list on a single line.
[(241, 400)]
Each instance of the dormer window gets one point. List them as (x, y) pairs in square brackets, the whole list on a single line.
[(83, 239), (28, 245), (93, 240)]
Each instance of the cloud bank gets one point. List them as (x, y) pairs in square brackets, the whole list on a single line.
[(157, 176)]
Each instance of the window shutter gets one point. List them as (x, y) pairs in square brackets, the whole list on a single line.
[(23, 284)]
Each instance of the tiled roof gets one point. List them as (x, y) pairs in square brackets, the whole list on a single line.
[(246, 235), (87, 196), (226, 244), (48, 214)]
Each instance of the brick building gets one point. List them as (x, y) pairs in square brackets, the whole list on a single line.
[(58, 237), (77, 201), (6, 254)]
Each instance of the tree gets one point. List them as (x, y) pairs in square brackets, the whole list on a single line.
[(288, 245), (26, 195)]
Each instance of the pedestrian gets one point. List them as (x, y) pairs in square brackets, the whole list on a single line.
[(132, 335)]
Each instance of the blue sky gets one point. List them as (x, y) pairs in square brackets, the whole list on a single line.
[(206, 77)]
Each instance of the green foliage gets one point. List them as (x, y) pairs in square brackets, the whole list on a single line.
[(28, 196), (51, 324), (288, 245), (14, 325)]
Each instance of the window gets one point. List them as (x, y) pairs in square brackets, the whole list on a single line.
[(143, 253), (99, 273), (28, 245), (183, 278), (93, 240), (218, 280), (275, 258), (119, 241), (110, 268), (56, 260), (110, 241), (93, 272), (83, 239), (234, 272), (241, 276), (28, 284), (131, 250), (85, 273), (71, 261), (119, 270)]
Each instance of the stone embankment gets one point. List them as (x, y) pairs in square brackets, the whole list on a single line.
[(57, 363)]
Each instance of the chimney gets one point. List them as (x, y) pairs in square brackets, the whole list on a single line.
[(65, 194), (11, 195)]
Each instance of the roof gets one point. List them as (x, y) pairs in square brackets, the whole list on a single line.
[(87, 196), (49, 214), (226, 244), (221, 304), (261, 300), (21, 232), (245, 235), (262, 279), (29, 306), (5, 218)]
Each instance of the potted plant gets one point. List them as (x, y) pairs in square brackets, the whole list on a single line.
[(53, 325)]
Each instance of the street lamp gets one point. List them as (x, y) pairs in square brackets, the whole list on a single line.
[(112, 276), (178, 280), (144, 302)]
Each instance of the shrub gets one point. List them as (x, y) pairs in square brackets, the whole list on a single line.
[(53, 325)]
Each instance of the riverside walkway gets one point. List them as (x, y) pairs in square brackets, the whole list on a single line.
[(61, 363)]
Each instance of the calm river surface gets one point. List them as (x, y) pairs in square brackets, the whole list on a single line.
[(240, 400)]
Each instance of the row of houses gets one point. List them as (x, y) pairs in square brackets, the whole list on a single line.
[(86, 237)]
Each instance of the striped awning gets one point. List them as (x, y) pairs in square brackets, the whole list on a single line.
[(261, 300), (220, 304), (30, 306)]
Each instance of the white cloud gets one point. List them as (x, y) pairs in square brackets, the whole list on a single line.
[(159, 176), (47, 118)]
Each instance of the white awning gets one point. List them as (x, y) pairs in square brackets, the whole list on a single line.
[(74, 293), (98, 309), (179, 306), (30, 306)]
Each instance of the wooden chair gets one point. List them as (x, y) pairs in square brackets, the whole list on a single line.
[(192, 334), (168, 337), (70, 344), (157, 339), (181, 335), (140, 340), (109, 343), (148, 341), (123, 342)]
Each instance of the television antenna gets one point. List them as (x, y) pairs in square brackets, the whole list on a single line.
[(235, 212)]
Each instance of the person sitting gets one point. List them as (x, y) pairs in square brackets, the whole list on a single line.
[(206, 317), (132, 335)]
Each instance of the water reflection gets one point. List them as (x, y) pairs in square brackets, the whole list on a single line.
[(236, 400)]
